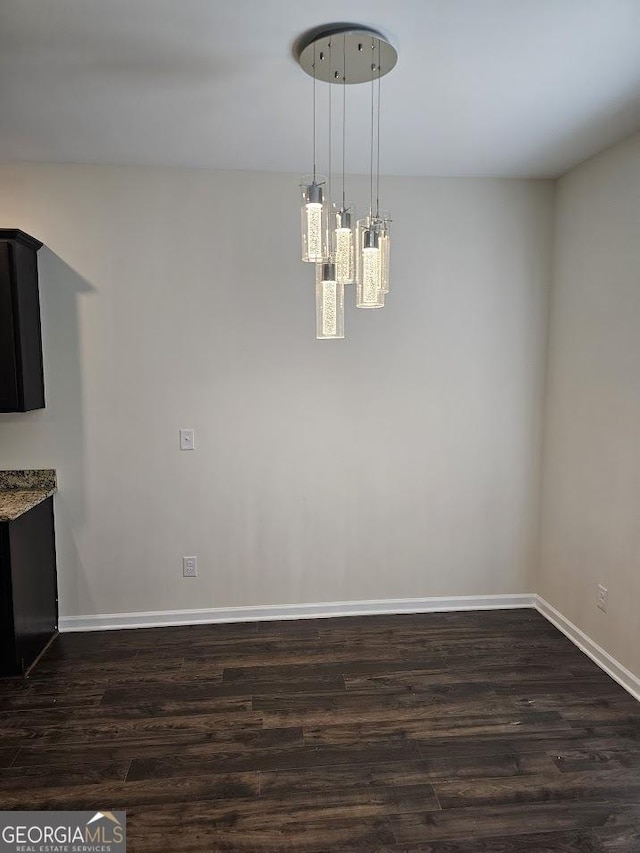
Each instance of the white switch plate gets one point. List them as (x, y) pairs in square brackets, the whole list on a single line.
[(602, 598), (187, 439), (189, 567)]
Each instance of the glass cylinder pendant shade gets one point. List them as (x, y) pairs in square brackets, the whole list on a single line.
[(329, 303), (368, 285), (314, 220), (385, 250), (344, 242)]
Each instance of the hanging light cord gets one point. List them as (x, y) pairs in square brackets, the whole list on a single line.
[(330, 140), (344, 110), (371, 160), (314, 113), (378, 145)]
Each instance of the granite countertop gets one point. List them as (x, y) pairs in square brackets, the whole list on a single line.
[(20, 491)]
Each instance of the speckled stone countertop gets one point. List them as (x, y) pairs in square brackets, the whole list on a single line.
[(20, 491)]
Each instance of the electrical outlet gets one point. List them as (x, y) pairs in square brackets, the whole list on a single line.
[(189, 567), (187, 439), (602, 598)]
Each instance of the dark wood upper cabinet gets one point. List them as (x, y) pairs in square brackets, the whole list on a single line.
[(21, 377)]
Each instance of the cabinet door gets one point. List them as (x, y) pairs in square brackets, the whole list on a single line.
[(9, 664), (28, 337), (33, 581), (8, 365)]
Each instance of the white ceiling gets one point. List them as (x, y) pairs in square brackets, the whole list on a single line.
[(482, 87)]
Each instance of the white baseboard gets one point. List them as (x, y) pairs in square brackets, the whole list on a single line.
[(273, 612), (166, 618), (610, 665)]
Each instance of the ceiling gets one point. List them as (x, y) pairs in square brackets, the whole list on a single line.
[(482, 87)]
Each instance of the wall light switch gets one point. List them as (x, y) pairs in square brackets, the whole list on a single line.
[(187, 439)]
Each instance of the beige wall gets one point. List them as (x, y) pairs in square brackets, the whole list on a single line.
[(591, 495), (401, 462)]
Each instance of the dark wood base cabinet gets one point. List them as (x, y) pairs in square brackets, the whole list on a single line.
[(28, 588)]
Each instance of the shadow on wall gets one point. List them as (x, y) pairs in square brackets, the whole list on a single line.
[(62, 430)]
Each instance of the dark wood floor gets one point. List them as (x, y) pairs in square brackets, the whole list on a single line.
[(443, 732)]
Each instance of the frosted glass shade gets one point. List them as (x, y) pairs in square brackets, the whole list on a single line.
[(329, 303), (344, 243), (369, 293), (314, 220), (369, 268), (385, 251)]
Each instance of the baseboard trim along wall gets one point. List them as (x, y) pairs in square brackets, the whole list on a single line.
[(272, 612), (610, 665)]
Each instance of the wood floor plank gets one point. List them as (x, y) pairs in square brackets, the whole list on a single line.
[(20, 785), (342, 777), (454, 726), (510, 819), (35, 693), (202, 761), (491, 766), (171, 749), (75, 788), (54, 713), (546, 842), (598, 706), (403, 773), (212, 690), (612, 786), (429, 663), (595, 684), (75, 730), (377, 696), (613, 758), (535, 679), (374, 712), (100, 670), (542, 741), (183, 706)]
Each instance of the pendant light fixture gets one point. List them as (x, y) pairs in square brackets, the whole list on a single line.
[(344, 216), (345, 251), (314, 220), (329, 289), (314, 207)]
